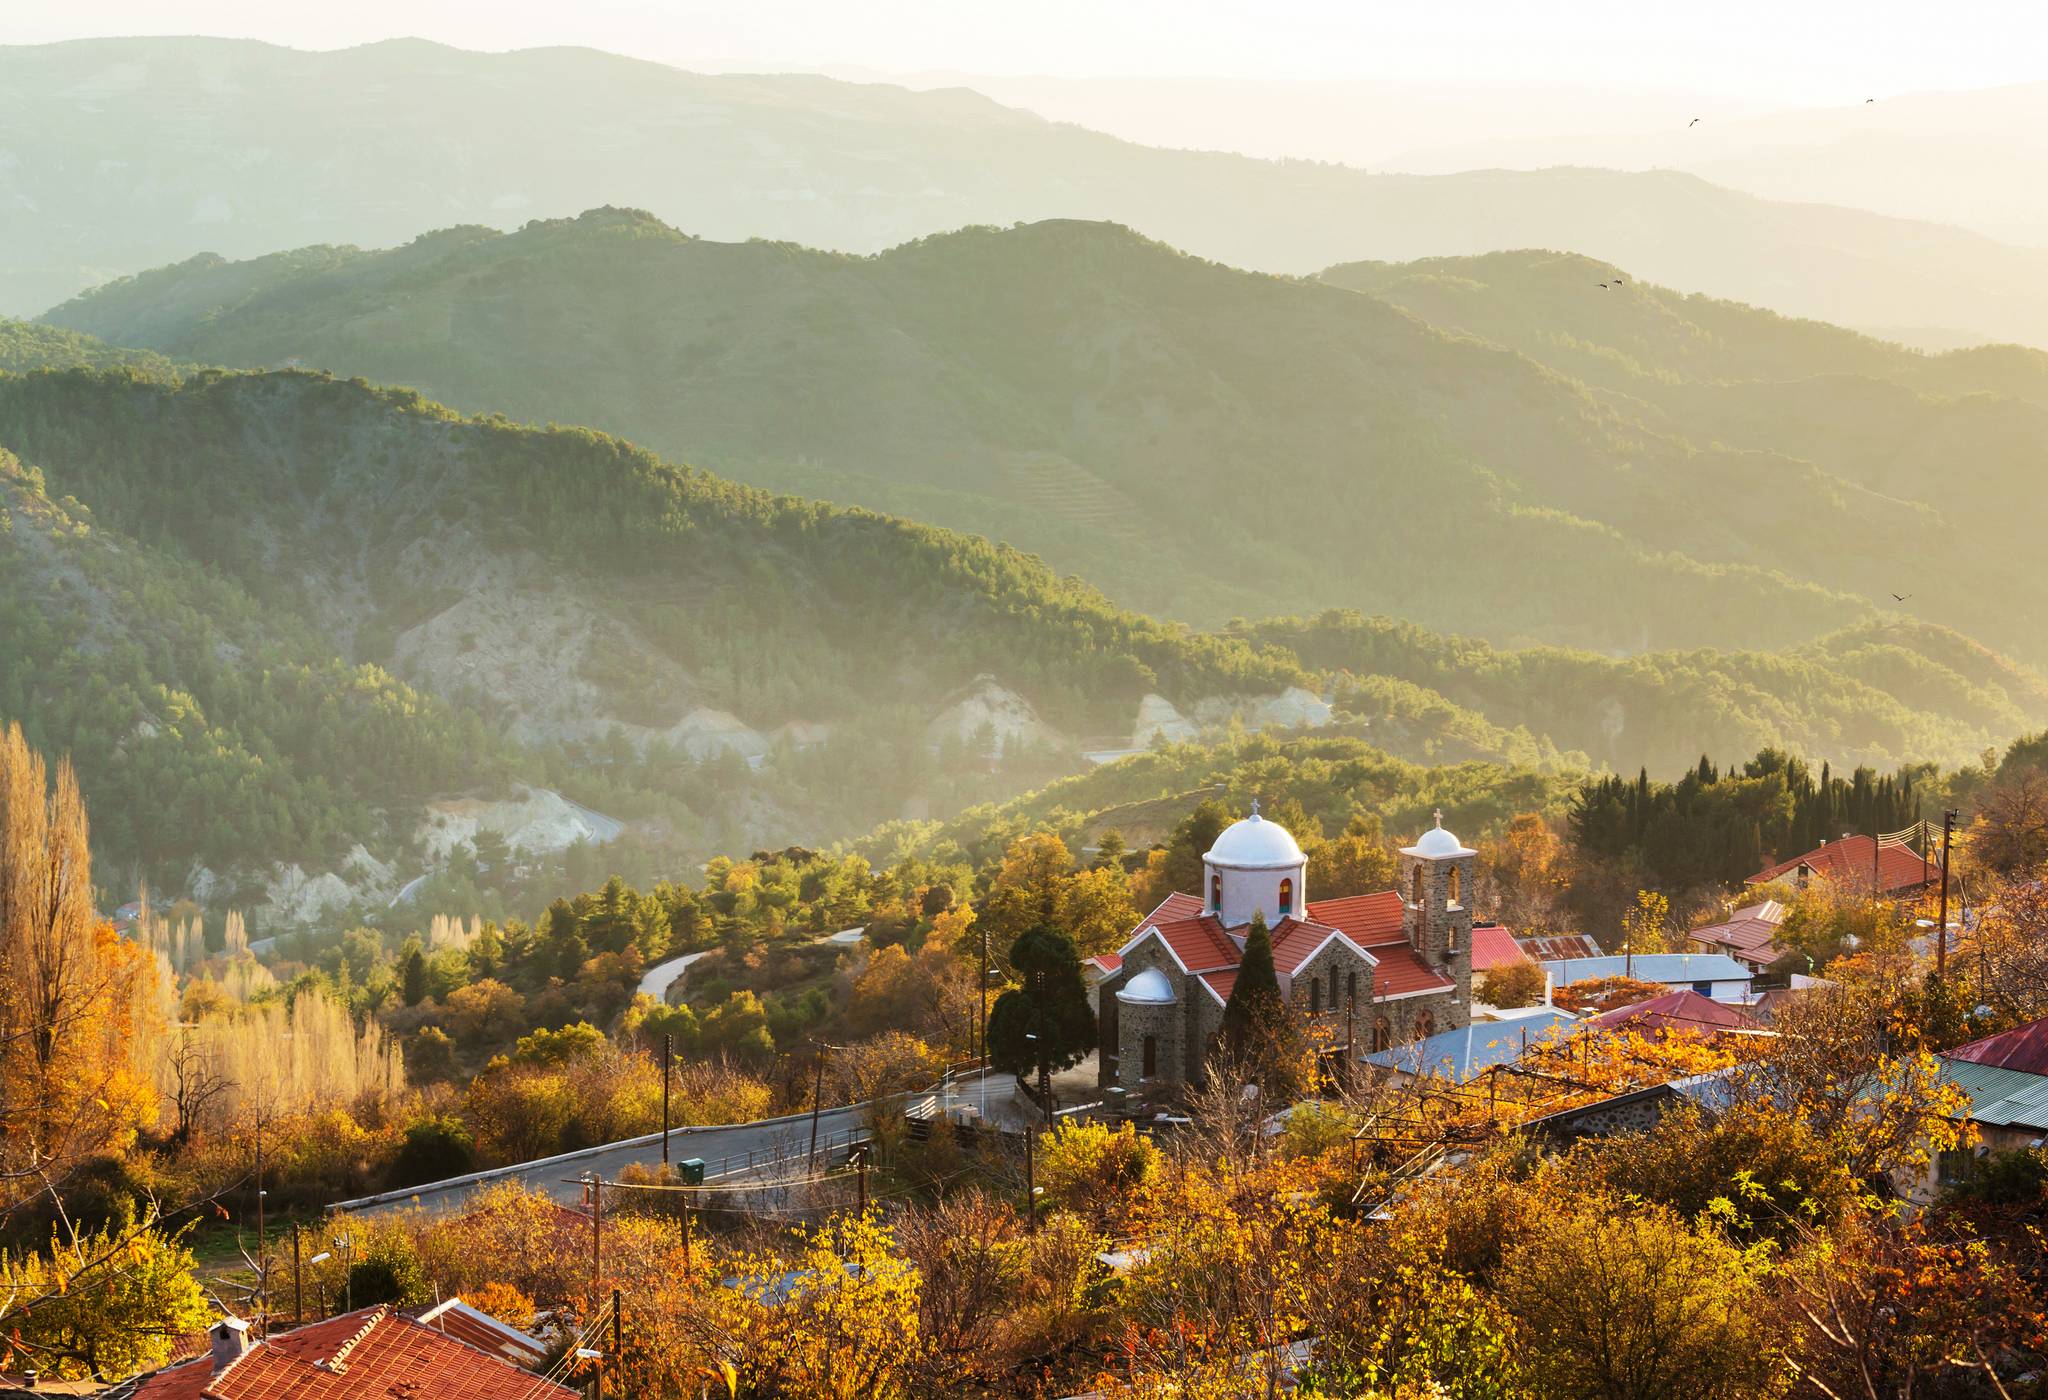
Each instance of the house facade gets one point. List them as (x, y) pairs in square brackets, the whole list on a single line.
[(1376, 970)]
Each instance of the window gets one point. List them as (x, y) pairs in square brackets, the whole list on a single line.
[(1425, 1026), (1151, 1056), (1215, 892), (1287, 896), (1416, 897), (1315, 996), (1351, 987), (1382, 1034), (1705, 989), (1455, 886), (1333, 989)]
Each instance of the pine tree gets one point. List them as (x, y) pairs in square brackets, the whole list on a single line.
[(1255, 1003), (1047, 1023), (413, 979)]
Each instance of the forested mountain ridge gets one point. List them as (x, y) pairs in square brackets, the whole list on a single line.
[(294, 609), (372, 144), (1128, 412), (577, 609)]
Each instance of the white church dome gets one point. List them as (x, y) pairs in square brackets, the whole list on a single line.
[(1255, 844), (1148, 988), (1437, 843)]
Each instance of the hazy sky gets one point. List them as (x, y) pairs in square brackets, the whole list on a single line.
[(1798, 51)]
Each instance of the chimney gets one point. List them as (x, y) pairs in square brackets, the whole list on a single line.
[(228, 1338)]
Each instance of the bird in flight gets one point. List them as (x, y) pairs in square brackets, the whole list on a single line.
[(1603, 285), (1693, 123), (1868, 100), (1901, 597)]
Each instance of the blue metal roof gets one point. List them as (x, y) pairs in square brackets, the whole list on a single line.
[(1460, 1054), (1674, 969)]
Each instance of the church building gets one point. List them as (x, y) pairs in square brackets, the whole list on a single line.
[(1379, 969)]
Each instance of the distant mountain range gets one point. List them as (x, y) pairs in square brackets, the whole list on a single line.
[(126, 154), (1501, 447)]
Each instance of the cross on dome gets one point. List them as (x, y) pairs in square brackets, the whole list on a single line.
[(1255, 810)]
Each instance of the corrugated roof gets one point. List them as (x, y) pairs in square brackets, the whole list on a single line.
[(1548, 947), (2022, 1048), (1670, 968), (2000, 1097), (1494, 946), (369, 1352), (1462, 1053)]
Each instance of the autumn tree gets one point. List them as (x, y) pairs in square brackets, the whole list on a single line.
[(76, 1002), (1613, 1299)]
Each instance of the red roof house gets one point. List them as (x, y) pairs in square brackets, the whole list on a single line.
[(368, 1354), (1675, 1011), (2024, 1048), (1748, 935), (1850, 863)]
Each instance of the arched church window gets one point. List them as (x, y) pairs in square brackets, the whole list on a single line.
[(1315, 996), (1456, 885), (1425, 1026), (1287, 896), (1351, 987), (1151, 1056), (1416, 898), (1382, 1034), (1215, 892)]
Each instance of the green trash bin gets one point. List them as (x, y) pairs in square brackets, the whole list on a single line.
[(691, 1170)]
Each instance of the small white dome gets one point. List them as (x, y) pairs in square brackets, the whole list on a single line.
[(1148, 988), (1437, 843), (1255, 844)]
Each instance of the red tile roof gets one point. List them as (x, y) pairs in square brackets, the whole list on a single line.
[(1748, 934), (368, 1354), (1848, 862), (1294, 940), (1199, 943), (1675, 1011), (2024, 1048), (1108, 962), (1221, 983), (1366, 918), (1402, 971), (1494, 946)]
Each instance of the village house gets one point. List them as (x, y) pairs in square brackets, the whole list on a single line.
[(1377, 970), (2006, 1079), (1854, 865), (1748, 935), (1713, 975), (448, 1354)]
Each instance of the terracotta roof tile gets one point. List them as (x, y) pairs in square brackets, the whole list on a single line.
[(1402, 971), (1749, 934), (1848, 862), (1221, 983), (1294, 940), (1200, 943), (1366, 918)]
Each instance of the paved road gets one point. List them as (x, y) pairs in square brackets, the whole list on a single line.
[(727, 1150), (659, 978)]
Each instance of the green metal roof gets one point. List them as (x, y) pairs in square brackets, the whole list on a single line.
[(2002, 1098)]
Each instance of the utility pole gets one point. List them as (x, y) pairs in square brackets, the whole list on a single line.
[(618, 1336), (262, 1259), (667, 1056), (298, 1284), (1948, 826), (983, 1028), (1031, 1177), (687, 1268), (817, 1097), (861, 1161), (596, 1226)]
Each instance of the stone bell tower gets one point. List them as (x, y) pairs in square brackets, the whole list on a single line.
[(1436, 913)]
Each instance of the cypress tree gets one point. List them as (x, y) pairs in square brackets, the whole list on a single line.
[(413, 979), (1254, 1004)]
